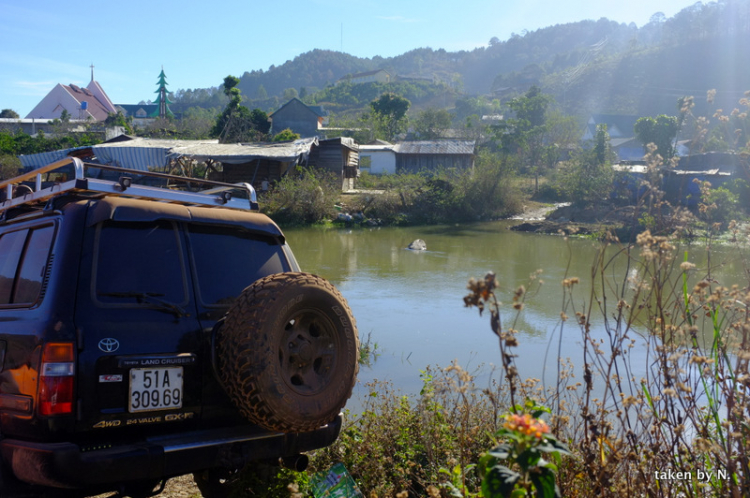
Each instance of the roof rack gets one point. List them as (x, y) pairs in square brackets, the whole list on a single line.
[(218, 195)]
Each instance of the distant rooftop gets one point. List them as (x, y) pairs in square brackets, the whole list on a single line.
[(436, 147)]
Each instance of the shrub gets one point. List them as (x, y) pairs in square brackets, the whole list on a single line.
[(9, 166), (718, 205), (446, 195), (741, 189), (306, 196)]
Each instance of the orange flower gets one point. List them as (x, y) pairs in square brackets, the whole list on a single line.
[(526, 425)]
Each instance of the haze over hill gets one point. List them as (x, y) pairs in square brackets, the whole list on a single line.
[(588, 66)]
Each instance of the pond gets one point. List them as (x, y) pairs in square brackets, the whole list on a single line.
[(411, 303)]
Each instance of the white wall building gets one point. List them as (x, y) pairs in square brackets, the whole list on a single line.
[(377, 159)]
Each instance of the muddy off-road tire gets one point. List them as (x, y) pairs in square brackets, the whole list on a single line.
[(288, 352)]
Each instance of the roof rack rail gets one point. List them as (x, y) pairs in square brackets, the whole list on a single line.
[(218, 195)]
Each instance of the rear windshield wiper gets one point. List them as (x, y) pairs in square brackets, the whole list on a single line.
[(150, 298)]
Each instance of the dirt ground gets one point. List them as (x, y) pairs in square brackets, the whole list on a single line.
[(177, 487), (563, 218)]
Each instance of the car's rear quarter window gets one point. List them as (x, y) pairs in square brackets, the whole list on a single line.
[(24, 260), (226, 260)]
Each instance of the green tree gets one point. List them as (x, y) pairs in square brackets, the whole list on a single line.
[(290, 93), (260, 121), (162, 100), (389, 111), (432, 123), (589, 175), (286, 135), (237, 123), (261, 93), (9, 114), (196, 122), (660, 131), (524, 134), (118, 119)]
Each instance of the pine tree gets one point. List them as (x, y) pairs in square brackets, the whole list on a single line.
[(163, 99)]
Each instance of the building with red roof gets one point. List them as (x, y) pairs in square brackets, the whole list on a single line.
[(90, 102)]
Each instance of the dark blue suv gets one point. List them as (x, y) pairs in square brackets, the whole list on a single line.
[(147, 333)]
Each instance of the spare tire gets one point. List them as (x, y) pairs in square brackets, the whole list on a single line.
[(288, 352)]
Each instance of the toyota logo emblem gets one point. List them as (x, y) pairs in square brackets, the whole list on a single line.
[(109, 345)]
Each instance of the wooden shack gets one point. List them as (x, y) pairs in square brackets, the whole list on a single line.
[(340, 156)]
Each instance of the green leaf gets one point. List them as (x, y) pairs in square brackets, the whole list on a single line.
[(453, 490), (486, 462), (501, 451), (499, 482), (528, 459), (544, 482), (551, 445)]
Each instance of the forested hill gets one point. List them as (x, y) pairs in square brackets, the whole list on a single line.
[(588, 66), (474, 71), (312, 70)]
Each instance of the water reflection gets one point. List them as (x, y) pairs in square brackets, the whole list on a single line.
[(411, 302)]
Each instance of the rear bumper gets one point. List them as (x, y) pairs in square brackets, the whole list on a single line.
[(68, 465)]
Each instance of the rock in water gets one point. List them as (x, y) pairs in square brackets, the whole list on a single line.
[(418, 245)]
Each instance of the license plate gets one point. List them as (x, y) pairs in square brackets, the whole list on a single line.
[(155, 389)]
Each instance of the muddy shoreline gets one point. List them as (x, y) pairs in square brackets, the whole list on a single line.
[(564, 219)]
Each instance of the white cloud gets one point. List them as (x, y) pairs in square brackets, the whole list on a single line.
[(34, 88)]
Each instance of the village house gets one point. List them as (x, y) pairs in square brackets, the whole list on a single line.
[(259, 164), (416, 156), (89, 103), (431, 155), (140, 114), (621, 135), (303, 119), (378, 158), (716, 168), (340, 156)]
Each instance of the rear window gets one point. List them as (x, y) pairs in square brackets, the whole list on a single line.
[(24, 262), (138, 261), (226, 260)]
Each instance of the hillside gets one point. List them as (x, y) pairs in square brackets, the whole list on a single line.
[(588, 66), (312, 70)]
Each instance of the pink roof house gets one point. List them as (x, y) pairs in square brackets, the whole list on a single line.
[(81, 103)]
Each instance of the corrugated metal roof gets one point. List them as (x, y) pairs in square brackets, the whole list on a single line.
[(140, 153), (144, 153), (707, 172), (242, 153), (370, 148), (435, 147), (40, 159)]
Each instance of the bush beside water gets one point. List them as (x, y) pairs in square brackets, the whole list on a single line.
[(444, 196)]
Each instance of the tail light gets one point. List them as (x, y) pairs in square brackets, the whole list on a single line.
[(57, 379)]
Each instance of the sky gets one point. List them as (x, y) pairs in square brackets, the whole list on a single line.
[(46, 42)]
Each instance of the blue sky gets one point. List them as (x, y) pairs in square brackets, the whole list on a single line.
[(46, 42)]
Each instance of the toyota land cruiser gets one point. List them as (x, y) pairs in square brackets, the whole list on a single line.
[(148, 332)]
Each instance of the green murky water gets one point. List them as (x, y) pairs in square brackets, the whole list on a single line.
[(411, 303)]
